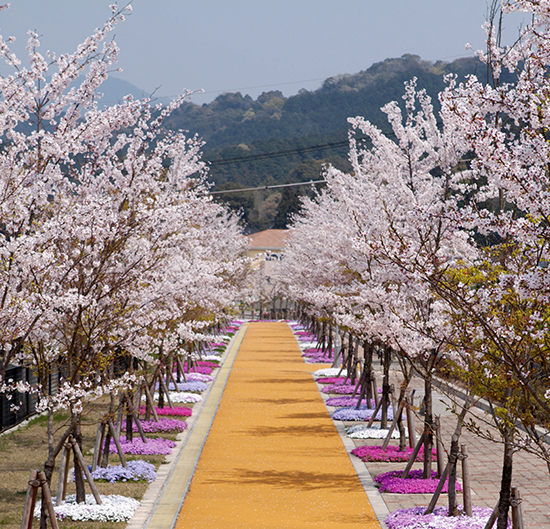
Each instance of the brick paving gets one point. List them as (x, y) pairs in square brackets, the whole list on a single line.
[(530, 474)]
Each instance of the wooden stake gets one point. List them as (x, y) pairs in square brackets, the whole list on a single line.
[(392, 427), (117, 444), (376, 410), (517, 511), (47, 498), (374, 390), (78, 455), (97, 446), (466, 491), (165, 389), (439, 446), (413, 456), (137, 421), (63, 471), (410, 423), (438, 490), (30, 500), (493, 518), (151, 402)]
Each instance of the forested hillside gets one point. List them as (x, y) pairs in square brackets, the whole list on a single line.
[(306, 130)]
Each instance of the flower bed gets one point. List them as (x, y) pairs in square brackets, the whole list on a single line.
[(329, 372), (137, 470), (412, 484), (339, 389), (158, 446), (205, 370), (345, 401), (184, 397), (212, 358), (374, 432), (114, 508), (364, 413), (414, 518), (177, 411), (194, 386), (198, 377), (391, 454), (338, 381), (162, 425)]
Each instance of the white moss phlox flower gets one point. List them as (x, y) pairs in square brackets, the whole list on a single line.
[(360, 431), (184, 397), (114, 508), (330, 372)]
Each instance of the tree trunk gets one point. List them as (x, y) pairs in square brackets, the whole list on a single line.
[(78, 470), (506, 481), (385, 388), (453, 458)]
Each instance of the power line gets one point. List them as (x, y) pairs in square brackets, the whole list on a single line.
[(276, 154), (267, 187)]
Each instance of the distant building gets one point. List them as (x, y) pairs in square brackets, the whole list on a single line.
[(267, 250), (268, 242)]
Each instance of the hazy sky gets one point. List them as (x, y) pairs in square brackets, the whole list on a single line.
[(254, 46)]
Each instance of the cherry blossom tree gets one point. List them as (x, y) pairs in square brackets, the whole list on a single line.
[(109, 241)]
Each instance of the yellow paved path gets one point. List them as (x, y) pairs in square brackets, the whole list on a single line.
[(273, 458)]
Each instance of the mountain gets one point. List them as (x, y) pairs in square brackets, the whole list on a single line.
[(275, 139)]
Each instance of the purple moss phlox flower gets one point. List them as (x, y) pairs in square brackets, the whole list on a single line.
[(163, 425), (178, 411), (364, 413), (194, 386), (137, 470), (391, 454), (412, 484), (340, 389), (414, 518), (345, 401), (138, 447)]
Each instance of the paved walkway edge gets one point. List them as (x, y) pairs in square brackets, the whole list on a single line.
[(171, 490)]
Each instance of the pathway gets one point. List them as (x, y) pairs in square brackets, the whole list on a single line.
[(273, 457)]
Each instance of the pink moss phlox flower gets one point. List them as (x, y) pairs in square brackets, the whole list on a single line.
[(364, 413), (391, 454), (163, 425), (414, 518), (178, 411), (157, 446), (331, 380), (412, 484), (204, 370)]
